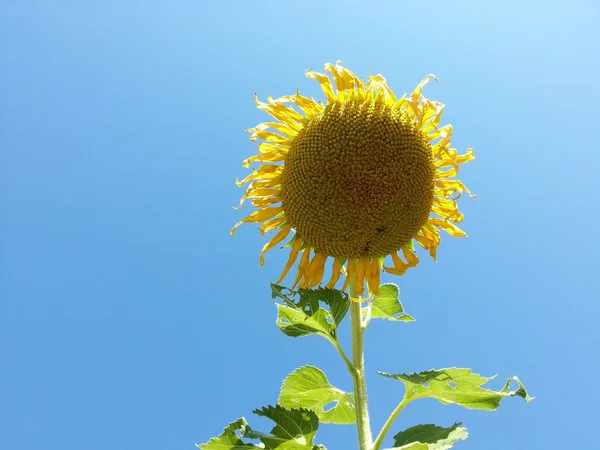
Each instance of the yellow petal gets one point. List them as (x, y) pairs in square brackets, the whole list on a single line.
[(280, 111), (308, 106), (269, 168), (272, 224), (378, 83), (267, 147), (367, 274), (417, 92), (315, 270), (349, 273), (336, 272), (373, 281), (449, 227), (264, 202), (260, 184), (263, 157), (325, 83), (400, 267), (451, 172), (450, 157), (302, 265), (269, 137), (400, 104), (282, 128), (431, 117), (428, 240), (273, 242), (259, 158), (338, 80), (258, 216), (257, 193), (414, 111), (292, 258), (266, 171), (360, 277), (450, 212), (450, 187), (347, 80), (411, 257)]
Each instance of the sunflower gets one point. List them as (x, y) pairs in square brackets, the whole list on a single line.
[(356, 181)]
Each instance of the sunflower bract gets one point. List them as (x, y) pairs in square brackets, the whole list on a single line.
[(355, 180)]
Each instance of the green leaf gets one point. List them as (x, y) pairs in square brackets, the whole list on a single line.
[(296, 323), (229, 440), (387, 304), (302, 312), (429, 437), (294, 429), (307, 387), (521, 392), (458, 386)]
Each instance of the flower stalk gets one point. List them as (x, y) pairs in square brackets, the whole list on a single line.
[(365, 438)]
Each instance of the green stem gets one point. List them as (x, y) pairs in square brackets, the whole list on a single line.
[(349, 364), (365, 439), (388, 423)]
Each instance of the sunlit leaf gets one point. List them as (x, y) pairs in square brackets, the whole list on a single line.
[(310, 311), (429, 437), (294, 429), (387, 304), (308, 387), (458, 386), (229, 440)]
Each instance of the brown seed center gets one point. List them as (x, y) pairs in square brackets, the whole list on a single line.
[(358, 181)]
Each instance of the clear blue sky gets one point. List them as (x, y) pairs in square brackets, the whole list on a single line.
[(129, 319)]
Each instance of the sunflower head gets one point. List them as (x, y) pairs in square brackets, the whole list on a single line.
[(356, 180)]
